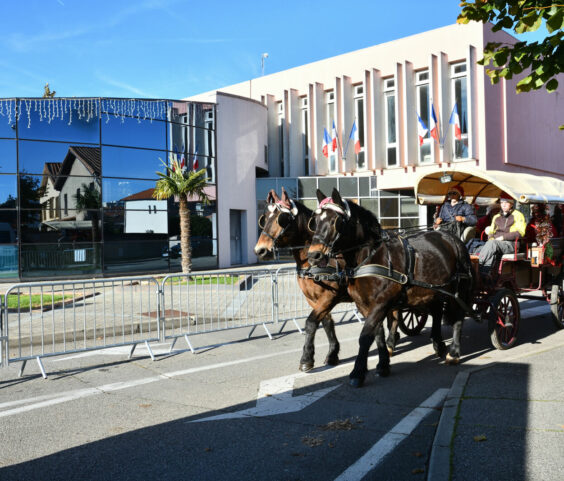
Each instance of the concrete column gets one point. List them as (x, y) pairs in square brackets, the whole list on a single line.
[(410, 140), (433, 97), (375, 121), (400, 118), (318, 104), (295, 156), (286, 136), (274, 153), (345, 124), (445, 106), (472, 102)]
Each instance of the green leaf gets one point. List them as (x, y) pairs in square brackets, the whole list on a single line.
[(556, 22), (552, 85), (500, 58)]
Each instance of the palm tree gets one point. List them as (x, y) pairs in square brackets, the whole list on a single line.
[(182, 183)]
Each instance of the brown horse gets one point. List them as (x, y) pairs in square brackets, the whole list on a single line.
[(421, 271), (284, 225)]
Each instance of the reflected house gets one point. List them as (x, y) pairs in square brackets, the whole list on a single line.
[(49, 200)]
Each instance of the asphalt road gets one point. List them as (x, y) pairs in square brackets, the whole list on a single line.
[(239, 409)]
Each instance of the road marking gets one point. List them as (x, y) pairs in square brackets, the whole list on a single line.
[(44, 401), (395, 436), (275, 397)]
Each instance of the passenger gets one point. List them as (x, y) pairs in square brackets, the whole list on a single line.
[(557, 219), (455, 214), (475, 244), (507, 226), (540, 229)]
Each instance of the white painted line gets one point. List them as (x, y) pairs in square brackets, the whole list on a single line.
[(395, 436), (275, 396)]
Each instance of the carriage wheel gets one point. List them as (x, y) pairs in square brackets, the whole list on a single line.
[(503, 319), (557, 305), (411, 322)]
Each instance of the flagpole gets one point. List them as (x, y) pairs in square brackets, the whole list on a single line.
[(348, 140)]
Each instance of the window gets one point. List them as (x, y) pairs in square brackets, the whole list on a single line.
[(459, 94), (330, 119), (391, 125), (359, 115), (423, 107), (304, 132), (281, 136)]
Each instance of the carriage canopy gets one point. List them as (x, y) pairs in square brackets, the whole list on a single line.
[(484, 187)]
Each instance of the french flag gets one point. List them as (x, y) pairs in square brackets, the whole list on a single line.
[(354, 137), (334, 136), (182, 159), (434, 124), (326, 141), (421, 129), (195, 164), (455, 119)]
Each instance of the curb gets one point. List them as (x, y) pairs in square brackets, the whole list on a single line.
[(439, 459)]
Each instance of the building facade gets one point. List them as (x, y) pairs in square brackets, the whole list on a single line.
[(76, 182), (384, 90)]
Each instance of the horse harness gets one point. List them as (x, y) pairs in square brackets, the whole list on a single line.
[(405, 279), (292, 212)]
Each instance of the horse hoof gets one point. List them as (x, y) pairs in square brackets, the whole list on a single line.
[(305, 367), (390, 351), (354, 382), (332, 360), (451, 360), (383, 371)]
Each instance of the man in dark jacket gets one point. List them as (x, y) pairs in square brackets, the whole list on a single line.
[(455, 214)]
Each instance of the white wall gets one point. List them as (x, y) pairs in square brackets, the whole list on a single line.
[(241, 138)]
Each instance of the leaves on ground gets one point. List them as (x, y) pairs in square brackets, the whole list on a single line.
[(341, 425), (313, 441), (480, 437), (417, 470)]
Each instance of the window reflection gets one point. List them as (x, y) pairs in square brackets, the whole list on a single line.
[(35, 157), (8, 226), (8, 159), (137, 163), (77, 226), (8, 118), (127, 256), (134, 132), (67, 120), (117, 191), (8, 192), (46, 260)]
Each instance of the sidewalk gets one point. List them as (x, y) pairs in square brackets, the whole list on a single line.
[(504, 421)]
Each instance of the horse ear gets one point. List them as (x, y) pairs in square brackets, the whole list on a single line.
[(275, 196), (336, 197), (270, 197), (320, 195), (285, 197)]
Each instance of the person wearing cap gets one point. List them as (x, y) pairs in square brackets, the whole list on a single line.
[(455, 213), (507, 226)]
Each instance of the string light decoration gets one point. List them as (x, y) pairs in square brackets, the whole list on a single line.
[(83, 109)]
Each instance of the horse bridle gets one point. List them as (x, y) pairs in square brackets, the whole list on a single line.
[(282, 209), (344, 216)]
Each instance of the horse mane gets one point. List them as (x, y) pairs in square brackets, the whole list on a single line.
[(367, 226), (303, 216)]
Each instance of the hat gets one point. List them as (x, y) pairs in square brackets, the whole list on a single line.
[(457, 188), (506, 197)]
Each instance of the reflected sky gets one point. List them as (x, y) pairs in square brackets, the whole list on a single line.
[(8, 191), (8, 162)]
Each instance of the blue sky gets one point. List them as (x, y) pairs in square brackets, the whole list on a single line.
[(177, 48)]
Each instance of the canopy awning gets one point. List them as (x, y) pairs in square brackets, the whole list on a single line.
[(485, 186)]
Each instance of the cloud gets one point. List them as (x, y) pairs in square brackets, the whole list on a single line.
[(122, 85), (22, 43)]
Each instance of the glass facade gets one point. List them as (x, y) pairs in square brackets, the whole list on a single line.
[(76, 182)]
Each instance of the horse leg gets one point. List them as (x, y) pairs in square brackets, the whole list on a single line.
[(383, 367), (311, 325), (333, 355), (436, 334), (453, 356), (393, 335), (372, 329)]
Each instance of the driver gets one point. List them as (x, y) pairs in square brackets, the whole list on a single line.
[(455, 214)]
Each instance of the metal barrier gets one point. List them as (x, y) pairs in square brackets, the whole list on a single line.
[(205, 302), (43, 319), (53, 318), (292, 304)]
